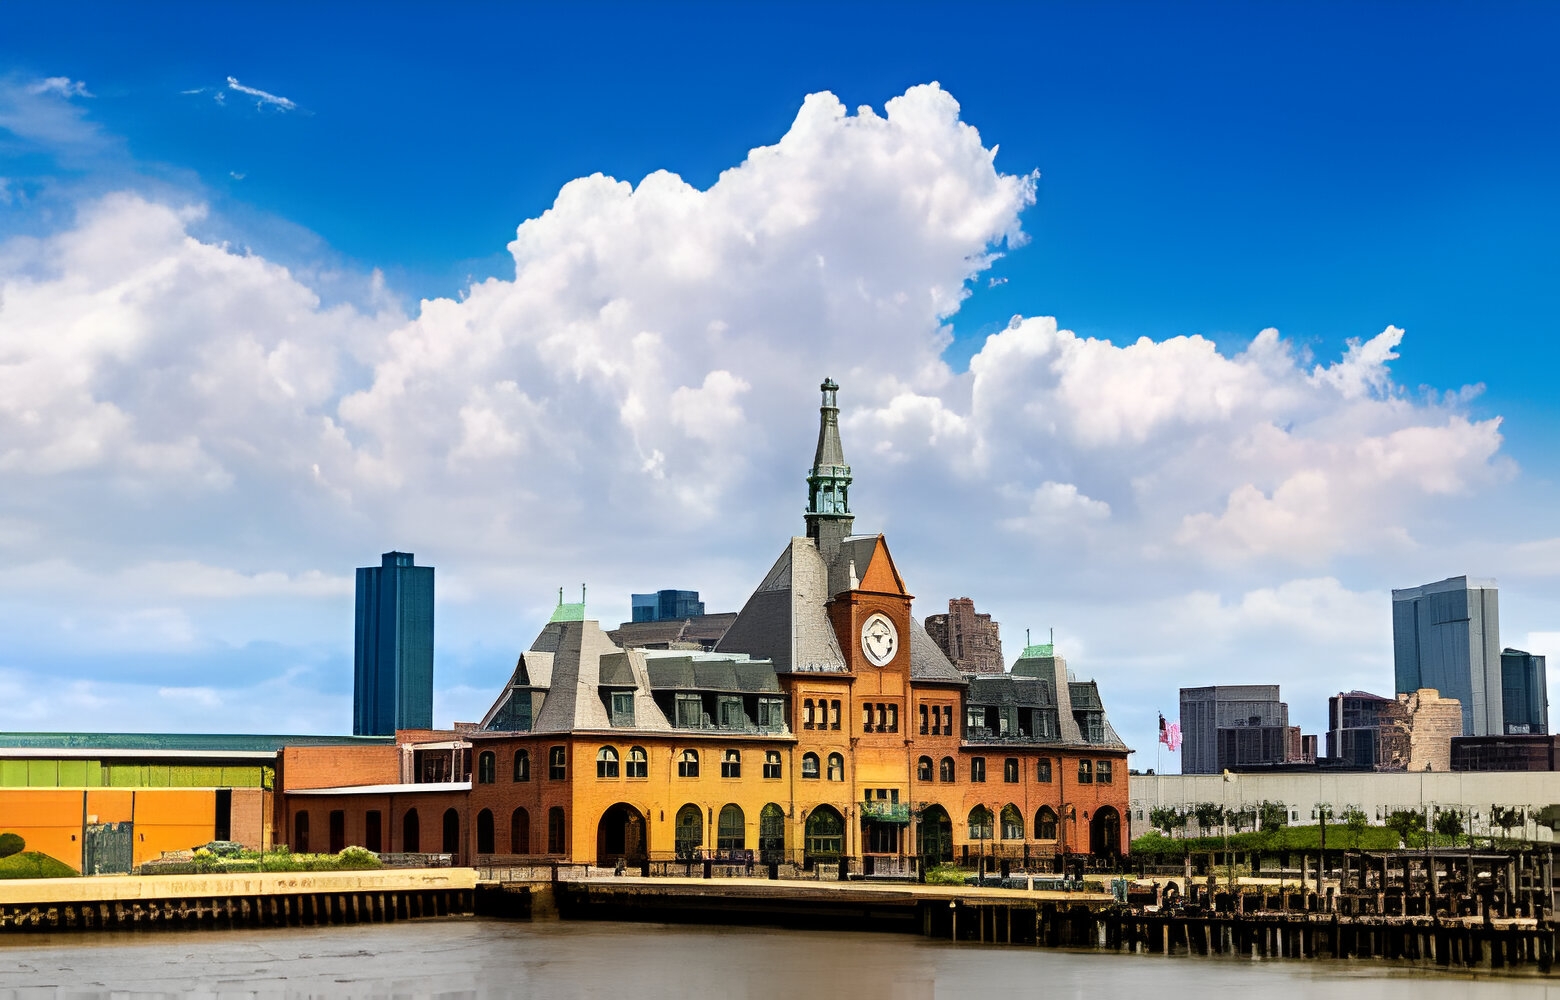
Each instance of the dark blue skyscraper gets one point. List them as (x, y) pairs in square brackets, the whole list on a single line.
[(394, 661), (1524, 692)]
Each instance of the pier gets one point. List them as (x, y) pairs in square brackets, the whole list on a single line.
[(263, 899)]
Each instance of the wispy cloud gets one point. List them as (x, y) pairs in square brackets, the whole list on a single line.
[(262, 97), (61, 85)]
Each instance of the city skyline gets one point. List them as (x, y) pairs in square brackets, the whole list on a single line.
[(254, 330)]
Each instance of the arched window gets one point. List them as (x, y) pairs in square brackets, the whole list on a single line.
[(1012, 823), (451, 831), (809, 765), (945, 769), (485, 832), (825, 832), (555, 831), (688, 764), (411, 832), (771, 763), (487, 767), (923, 769), (771, 833), (520, 832), (980, 823), (730, 831), (556, 766), (300, 842), (1045, 824), (836, 767), (731, 764), (689, 830), (638, 763), (1043, 771), (606, 763), (977, 769), (522, 765), (1010, 770)]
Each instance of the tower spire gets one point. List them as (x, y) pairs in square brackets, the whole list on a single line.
[(829, 519)]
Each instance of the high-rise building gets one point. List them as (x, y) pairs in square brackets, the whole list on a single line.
[(1230, 726), (666, 605), (394, 648), (1417, 731), (1524, 693), (1446, 636), (972, 641), (1354, 727)]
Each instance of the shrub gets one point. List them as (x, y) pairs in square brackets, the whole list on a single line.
[(945, 875), (11, 843), (353, 858), (34, 864)]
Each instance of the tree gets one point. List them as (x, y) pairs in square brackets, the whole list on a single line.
[(1405, 823), (1209, 815), (11, 843), (1356, 820), (1241, 818), (1506, 817), (1449, 823), (1166, 818), (1272, 816)]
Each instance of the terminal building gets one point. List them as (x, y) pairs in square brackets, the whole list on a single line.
[(823, 723)]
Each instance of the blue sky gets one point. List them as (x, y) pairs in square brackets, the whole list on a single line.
[(1204, 169)]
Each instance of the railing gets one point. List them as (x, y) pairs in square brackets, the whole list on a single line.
[(884, 811)]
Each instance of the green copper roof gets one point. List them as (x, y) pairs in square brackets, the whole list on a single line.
[(568, 613), (1039, 649)]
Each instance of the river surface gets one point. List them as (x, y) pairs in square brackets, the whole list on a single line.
[(476, 957)]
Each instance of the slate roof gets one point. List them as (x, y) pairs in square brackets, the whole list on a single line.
[(683, 673), (927, 660), (784, 621), (699, 630)]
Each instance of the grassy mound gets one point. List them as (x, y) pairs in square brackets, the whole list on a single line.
[(34, 864)]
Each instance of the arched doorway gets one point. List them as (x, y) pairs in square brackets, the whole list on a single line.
[(520, 832), (825, 833), (485, 832), (1105, 832), (411, 832), (620, 836), (689, 831), (771, 834), (936, 835), (451, 831)]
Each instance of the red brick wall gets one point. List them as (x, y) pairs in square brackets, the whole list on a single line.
[(333, 767)]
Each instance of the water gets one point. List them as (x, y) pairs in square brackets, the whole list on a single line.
[(473, 957)]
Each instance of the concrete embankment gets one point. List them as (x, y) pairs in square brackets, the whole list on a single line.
[(239, 900)]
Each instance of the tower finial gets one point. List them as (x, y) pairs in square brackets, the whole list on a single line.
[(829, 519)]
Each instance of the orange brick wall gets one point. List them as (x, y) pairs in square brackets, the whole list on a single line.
[(335, 767)]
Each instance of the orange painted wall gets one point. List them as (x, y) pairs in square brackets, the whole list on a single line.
[(51, 819)]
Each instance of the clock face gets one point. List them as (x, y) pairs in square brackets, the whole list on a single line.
[(879, 639)]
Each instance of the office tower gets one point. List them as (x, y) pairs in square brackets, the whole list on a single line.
[(1446, 636), (1354, 727), (394, 649), (1229, 726), (666, 605), (1524, 693)]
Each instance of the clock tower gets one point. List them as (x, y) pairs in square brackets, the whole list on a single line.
[(829, 519)]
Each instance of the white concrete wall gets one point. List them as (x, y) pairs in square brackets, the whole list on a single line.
[(1376, 794)]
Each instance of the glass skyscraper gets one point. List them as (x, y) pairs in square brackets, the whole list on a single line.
[(1446, 636), (394, 648)]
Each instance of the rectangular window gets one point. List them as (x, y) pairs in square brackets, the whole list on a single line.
[(834, 714), (1010, 770), (947, 720), (1102, 772), (924, 721), (1085, 773), (893, 718), (555, 764), (772, 764), (771, 713), (731, 764), (623, 708), (974, 719), (690, 711), (1043, 771), (936, 720), (729, 709), (866, 718), (1002, 724), (977, 769), (807, 714)]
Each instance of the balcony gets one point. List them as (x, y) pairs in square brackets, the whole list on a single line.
[(883, 811)]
